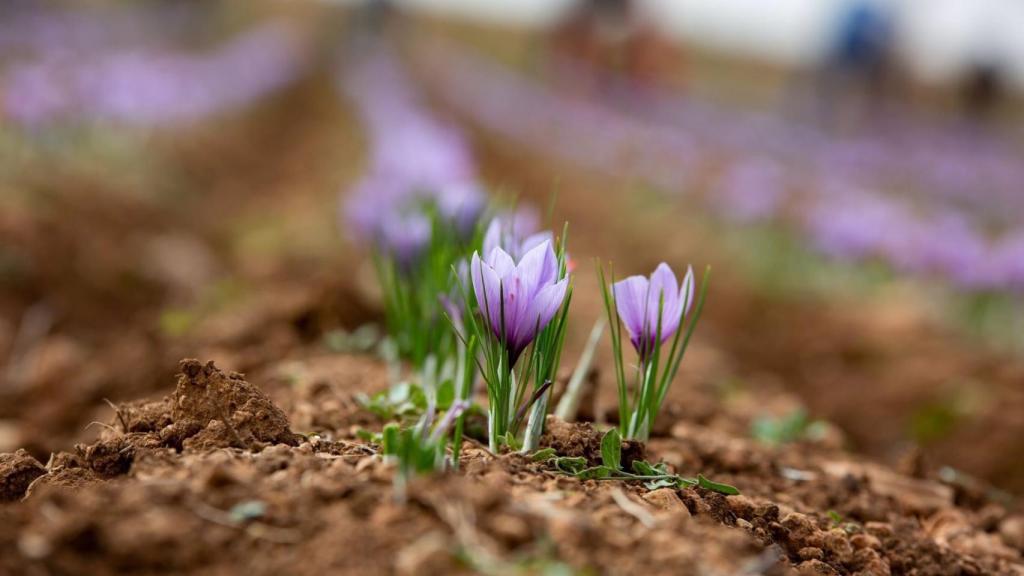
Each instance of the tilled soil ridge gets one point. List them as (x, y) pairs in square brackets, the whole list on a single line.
[(211, 479)]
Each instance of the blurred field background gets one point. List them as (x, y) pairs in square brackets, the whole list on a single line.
[(851, 170)]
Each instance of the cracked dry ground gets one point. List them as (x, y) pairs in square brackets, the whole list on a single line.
[(213, 472)]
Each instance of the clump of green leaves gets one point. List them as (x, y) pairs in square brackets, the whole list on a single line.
[(795, 427), (407, 400), (655, 313), (419, 449), (361, 340), (413, 293), (653, 476)]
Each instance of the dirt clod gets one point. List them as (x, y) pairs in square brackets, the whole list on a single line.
[(17, 471), (578, 439), (211, 409)]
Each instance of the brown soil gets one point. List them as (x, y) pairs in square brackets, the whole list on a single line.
[(213, 472), (218, 458)]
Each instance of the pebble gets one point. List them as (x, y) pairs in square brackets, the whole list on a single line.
[(798, 524), (811, 553), (34, 546), (511, 529), (665, 500), (815, 568), (1012, 531), (878, 529), (862, 541), (740, 505), (838, 545)]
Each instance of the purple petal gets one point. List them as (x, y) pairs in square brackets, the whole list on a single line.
[(492, 237), (535, 240), (630, 298), (487, 287), (544, 307), (501, 262), (663, 299), (537, 268)]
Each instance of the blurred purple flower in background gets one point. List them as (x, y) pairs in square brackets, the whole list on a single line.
[(751, 189), (644, 304), (28, 28), (515, 233), (882, 193), (406, 237), (415, 161), (518, 300), (150, 86), (461, 203)]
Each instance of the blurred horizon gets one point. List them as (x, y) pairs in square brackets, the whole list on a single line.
[(939, 40)]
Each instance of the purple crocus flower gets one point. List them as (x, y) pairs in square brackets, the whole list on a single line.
[(453, 303), (461, 204), (518, 300), (516, 234), (405, 236), (638, 301)]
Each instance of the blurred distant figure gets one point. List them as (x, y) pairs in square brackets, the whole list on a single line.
[(858, 68), (989, 50), (612, 36), (370, 22), (982, 90)]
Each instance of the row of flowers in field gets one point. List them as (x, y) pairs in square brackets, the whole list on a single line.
[(474, 292), (108, 72), (955, 217), (29, 29)]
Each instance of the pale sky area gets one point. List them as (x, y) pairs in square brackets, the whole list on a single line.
[(938, 38)]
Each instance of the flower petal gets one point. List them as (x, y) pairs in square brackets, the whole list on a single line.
[(686, 290), (538, 267), (487, 287), (663, 298), (501, 262), (542, 309), (630, 297), (493, 235), (534, 240)]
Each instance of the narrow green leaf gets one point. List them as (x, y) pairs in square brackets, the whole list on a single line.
[(389, 442), (511, 441), (570, 465), (645, 469), (595, 473), (716, 486), (543, 455), (445, 394), (611, 449)]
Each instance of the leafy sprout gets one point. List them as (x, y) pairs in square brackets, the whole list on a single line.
[(795, 427), (653, 476)]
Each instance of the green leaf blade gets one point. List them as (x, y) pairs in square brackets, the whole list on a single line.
[(716, 486), (611, 449)]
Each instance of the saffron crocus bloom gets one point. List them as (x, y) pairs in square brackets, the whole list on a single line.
[(518, 300), (639, 300), (514, 233)]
